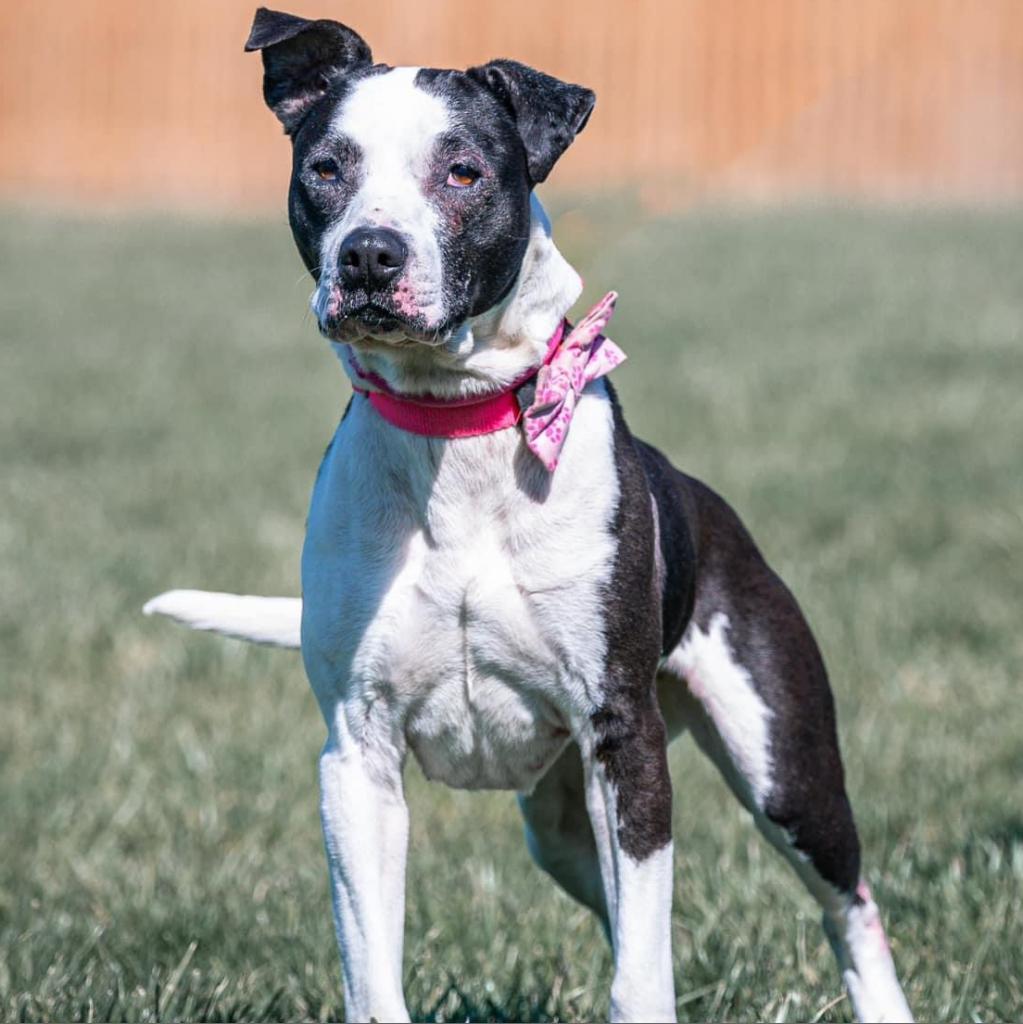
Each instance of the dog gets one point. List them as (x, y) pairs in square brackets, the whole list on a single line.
[(497, 576)]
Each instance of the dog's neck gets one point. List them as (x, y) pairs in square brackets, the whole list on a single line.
[(491, 350)]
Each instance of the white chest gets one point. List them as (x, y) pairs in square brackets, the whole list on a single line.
[(454, 594)]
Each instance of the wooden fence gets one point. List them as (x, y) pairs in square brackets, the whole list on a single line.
[(124, 101)]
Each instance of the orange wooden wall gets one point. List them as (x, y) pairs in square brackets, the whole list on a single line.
[(127, 101)]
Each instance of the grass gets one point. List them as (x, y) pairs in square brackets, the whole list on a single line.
[(851, 380)]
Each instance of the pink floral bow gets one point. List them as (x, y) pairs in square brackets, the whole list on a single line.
[(583, 355)]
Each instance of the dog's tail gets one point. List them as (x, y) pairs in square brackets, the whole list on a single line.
[(262, 620)]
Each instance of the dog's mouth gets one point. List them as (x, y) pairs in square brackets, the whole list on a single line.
[(374, 317), (361, 320)]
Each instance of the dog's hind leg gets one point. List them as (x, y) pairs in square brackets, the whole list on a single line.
[(749, 682), (559, 834), (805, 814)]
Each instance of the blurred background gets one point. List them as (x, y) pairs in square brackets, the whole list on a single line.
[(117, 102), (812, 211)]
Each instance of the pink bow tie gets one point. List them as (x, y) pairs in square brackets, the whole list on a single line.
[(583, 355)]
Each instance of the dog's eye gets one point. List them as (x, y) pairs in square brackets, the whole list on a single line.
[(462, 175), (326, 170)]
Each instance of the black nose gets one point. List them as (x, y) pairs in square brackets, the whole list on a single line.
[(371, 257)]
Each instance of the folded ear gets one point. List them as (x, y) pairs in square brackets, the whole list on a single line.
[(549, 113), (300, 60)]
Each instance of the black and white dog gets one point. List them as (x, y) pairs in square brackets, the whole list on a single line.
[(516, 628)]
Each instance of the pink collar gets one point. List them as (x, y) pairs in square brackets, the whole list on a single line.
[(575, 356), (450, 417)]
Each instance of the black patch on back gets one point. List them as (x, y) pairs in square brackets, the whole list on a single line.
[(631, 738)]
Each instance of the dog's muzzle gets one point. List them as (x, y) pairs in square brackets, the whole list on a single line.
[(369, 297)]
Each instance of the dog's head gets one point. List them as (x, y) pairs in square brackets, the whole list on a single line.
[(410, 189)]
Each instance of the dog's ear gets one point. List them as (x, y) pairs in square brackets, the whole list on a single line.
[(300, 60), (549, 113)]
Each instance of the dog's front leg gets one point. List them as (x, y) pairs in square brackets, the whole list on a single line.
[(365, 828), (628, 796)]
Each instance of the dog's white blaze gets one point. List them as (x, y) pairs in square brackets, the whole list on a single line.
[(726, 691), (395, 124)]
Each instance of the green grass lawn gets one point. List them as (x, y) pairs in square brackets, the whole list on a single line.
[(851, 381)]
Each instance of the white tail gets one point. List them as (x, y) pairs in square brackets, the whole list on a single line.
[(262, 620)]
